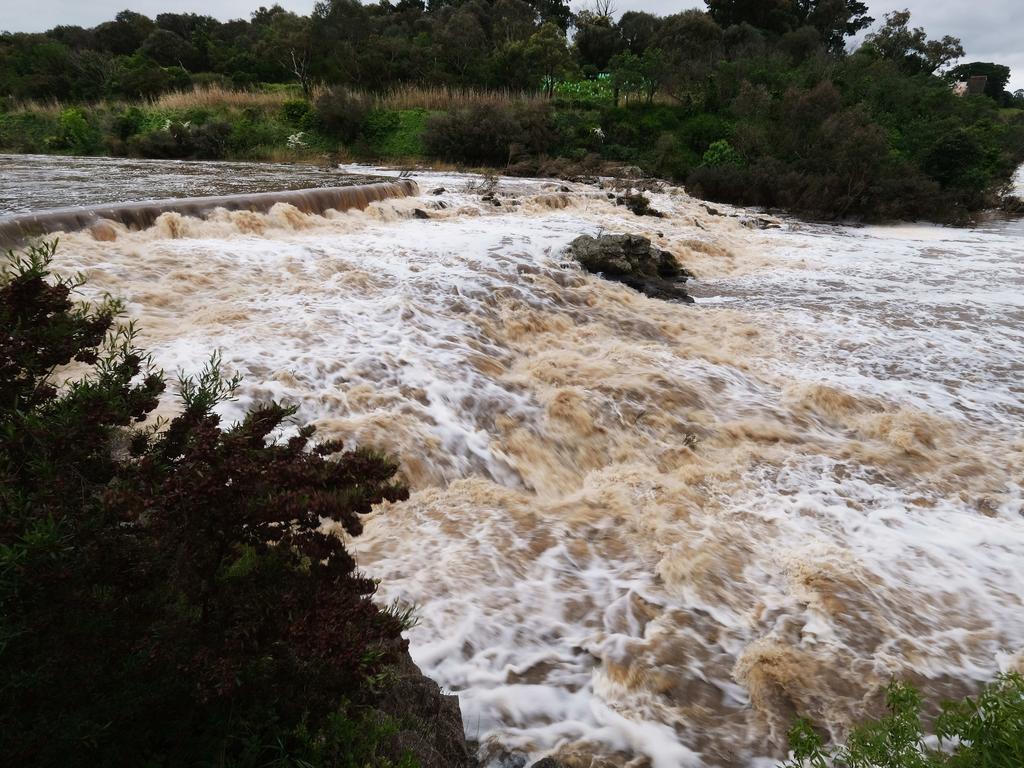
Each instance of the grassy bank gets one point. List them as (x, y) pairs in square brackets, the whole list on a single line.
[(272, 123), (857, 149)]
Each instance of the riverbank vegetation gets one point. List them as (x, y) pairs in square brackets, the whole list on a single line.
[(986, 731), (167, 593), (742, 104)]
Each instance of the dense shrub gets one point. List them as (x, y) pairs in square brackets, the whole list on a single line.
[(721, 152), (982, 732), (167, 597), (128, 123), (183, 140), (26, 131), (491, 134), (297, 112), (481, 134), (394, 133), (252, 129), (75, 133), (342, 113)]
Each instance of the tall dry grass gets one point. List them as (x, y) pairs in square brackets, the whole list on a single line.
[(441, 98), (408, 96), (435, 98), (219, 96)]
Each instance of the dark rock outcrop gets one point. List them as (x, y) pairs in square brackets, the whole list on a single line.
[(430, 722), (633, 261), (639, 205)]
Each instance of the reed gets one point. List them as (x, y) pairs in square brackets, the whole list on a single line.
[(49, 107), (433, 98), (219, 96), (441, 98)]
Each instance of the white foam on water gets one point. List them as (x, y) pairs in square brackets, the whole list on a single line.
[(640, 531)]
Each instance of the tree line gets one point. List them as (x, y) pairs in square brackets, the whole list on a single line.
[(514, 44), (747, 101)]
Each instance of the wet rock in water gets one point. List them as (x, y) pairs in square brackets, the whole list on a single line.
[(759, 222), (419, 213), (638, 204), (438, 191), (633, 261), (430, 722), (103, 231), (547, 762)]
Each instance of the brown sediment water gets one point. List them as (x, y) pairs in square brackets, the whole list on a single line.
[(641, 533), (17, 229)]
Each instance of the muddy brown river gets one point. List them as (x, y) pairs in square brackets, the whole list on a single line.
[(645, 532)]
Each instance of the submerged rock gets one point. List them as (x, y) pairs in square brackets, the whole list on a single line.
[(419, 213), (633, 261), (639, 205)]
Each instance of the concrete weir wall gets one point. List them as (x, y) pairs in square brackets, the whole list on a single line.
[(16, 230)]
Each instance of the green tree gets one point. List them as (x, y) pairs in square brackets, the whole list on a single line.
[(124, 34), (998, 76), (168, 49), (548, 52), (835, 20), (168, 595), (596, 40), (778, 16), (640, 75), (692, 44), (638, 30), (910, 48)]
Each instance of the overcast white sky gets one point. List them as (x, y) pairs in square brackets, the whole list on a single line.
[(991, 30)]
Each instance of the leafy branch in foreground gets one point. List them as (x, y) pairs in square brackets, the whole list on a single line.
[(168, 596), (982, 732)]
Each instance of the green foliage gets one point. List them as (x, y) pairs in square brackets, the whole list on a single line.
[(982, 732), (251, 131), (395, 134), (342, 113), (297, 112), (167, 595), (489, 134), (584, 92), (183, 140), (27, 131), (995, 86), (720, 153), (74, 133), (701, 131)]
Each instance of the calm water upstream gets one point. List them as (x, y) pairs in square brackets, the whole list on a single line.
[(30, 183), (638, 529)]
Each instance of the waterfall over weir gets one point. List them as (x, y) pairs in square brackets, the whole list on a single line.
[(15, 230)]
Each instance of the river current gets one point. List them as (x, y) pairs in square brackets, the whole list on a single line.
[(641, 533)]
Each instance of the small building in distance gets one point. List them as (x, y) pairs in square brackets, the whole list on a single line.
[(974, 86)]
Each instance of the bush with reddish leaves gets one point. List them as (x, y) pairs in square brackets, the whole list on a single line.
[(168, 596)]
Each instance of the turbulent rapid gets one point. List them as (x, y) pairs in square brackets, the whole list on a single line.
[(641, 533)]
